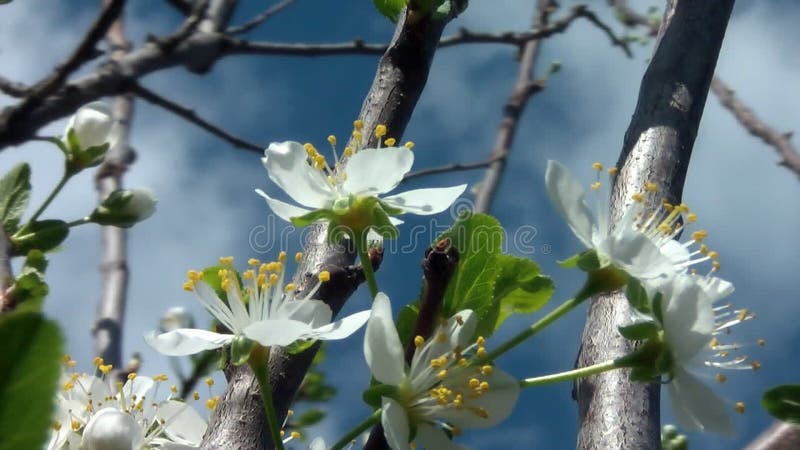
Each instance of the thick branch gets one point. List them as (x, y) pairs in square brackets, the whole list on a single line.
[(779, 141), (260, 18), (13, 88), (401, 76), (524, 88), (779, 436), (614, 412), (114, 266), (189, 114)]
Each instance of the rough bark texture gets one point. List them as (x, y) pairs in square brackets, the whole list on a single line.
[(401, 76), (615, 413), (779, 436), (114, 266)]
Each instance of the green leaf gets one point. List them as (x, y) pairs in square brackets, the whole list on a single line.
[(30, 289), (15, 191), (299, 346), (519, 289), (639, 331), (30, 360), (570, 262), (390, 8), (310, 417), (478, 239), (372, 396), (637, 296), (783, 402), (406, 321), (588, 261), (44, 235), (35, 260)]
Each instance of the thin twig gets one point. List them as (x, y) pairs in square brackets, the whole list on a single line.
[(182, 6), (189, 114), (13, 88), (455, 167), (631, 18), (85, 51), (260, 18), (781, 142), (522, 91)]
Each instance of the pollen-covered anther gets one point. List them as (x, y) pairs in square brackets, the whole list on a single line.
[(699, 235), (105, 368), (75, 425), (637, 197), (761, 342), (196, 395), (419, 341), (253, 262), (651, 187), (442, 374), (409, 145), (474, 383), (97, 361), (613, 171), (212, 402), (298, 257), (324, 276), (209, 382), (720, 378), (332, 139), (597, 166), (755, 365), (740, 407), (487, 369), (290, 287), (348, 151), (226, 260), (161, 377), (358, 125), (441, 337), (380, 131), (390, 142), (295, 434), (596, 185)]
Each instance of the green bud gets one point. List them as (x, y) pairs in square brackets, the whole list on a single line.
[(125, 207)]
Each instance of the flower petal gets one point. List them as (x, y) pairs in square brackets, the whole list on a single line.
[(137, 388), (688, 317), (92, 123), (498, 402), (382, 348), (435, 438), (342, 328), (182, 423), (216, 307), (636, 254), (111, 428), (317, 444), (287, 167), (567, 194), (313, 312), (377, 170), (395, 424), (282, 209), (280, 332), (425, 201), (715, 288), (186, 341), (696, 406)]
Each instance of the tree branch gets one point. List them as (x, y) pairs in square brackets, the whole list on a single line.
[(779, 436), (522, 91), (13, 88), (189, 114), (182, 6), (400, 78), (114, 267), (454, 167), (615, 412), (790, 158), (260, 18)]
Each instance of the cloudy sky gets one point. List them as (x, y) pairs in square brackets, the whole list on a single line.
[(207, 207)]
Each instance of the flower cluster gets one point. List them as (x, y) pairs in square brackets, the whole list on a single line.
[(349, 193), (89, 415), (682, 316), (262, 309), (440, 391)]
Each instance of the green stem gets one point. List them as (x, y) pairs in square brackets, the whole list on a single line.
[(355, 432), (56, 190), (525, 334), (362, 246), (259, 360), (572, 374)]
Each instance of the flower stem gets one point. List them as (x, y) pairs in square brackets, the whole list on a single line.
[(259, 360), (360, 428), (525, 334), (572, 374), (49, 199), (362, 246)]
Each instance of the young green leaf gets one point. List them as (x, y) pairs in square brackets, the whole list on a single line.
[(15, 191), (390, 8), (406, 321), (783, 402), (637, 296), (639, 331), (43, 235), (30, 360)]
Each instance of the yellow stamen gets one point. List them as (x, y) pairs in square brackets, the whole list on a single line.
[(298, 257), (196, 395), (324, 276), (332, 140), (290, 287), (212, 402), (487, 370), (740, 407), (97, 361), (173, 389), (295, 435), (358, 124), (209, 382), (419, 341), (409, 145), (131, 375), (637, 197), (161, 377), (226, 260), (613, 171), (596, 185), (597, 166), (390, 142), (105, 368), (348, 151), (188, 286), (755, 365), (651, 187), (380, 131), (699, 235), (253, 262), (692, 217)]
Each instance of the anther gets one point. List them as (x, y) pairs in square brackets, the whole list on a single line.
[(613, 171), (298, 257), (637, 197), (380, 131), (409, 145), (253, 262), (290, 287), (390, 142), (651, 187), (597, 166), (332, 140), (487, 370), (721, 378), (740, 407), (358, 124), (324, 276), (209, 382), (226, 260), (755, 365), (418, 341), (595, 186), (761, 342), (691, 217)]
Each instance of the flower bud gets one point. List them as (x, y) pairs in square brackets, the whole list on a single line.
[(176, 317), (89, 134), (111, 429), (125, 207)]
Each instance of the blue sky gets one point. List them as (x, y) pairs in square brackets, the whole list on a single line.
[(207, 206)]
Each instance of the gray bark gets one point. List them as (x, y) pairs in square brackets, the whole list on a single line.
[(614, 412), (401, 76), (779, 436)]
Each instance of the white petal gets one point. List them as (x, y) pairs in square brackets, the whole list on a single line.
[(313, 312), (567, 196), (456, 336), (214, 305), (382, 348), (636, 254), (696, 406), (111, 429), (137, 388), (282, 209), (425, 201), (317, 444), (377, 170), (280, 332), (92, 124), (395, 424), (186, 341), (342, 328), (183, 424), (715, 288), (435, 438), (675, 252), (240, 316), (688, 317), (287, 167), (498, 402)]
